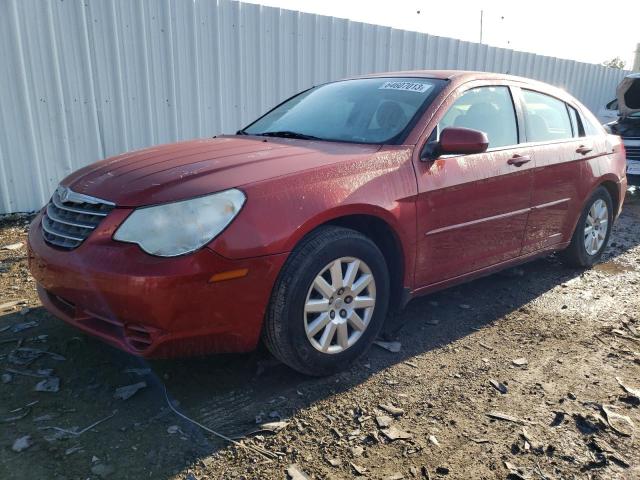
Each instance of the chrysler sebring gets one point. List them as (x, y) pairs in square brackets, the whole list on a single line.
[(305, 227)]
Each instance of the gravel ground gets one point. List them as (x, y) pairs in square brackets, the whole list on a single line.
[(526, 374)]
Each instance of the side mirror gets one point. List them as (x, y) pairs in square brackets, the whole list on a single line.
[(458, 141)]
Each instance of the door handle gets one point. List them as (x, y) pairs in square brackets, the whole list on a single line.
[(519, 160), (583, 149)]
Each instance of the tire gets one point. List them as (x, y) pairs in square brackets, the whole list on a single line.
[(289, 324), (577, 254)]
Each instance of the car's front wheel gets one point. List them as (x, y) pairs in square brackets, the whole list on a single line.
[(592, 231), (329, 302)]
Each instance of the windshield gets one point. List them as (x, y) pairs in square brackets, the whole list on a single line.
[(368, 110)]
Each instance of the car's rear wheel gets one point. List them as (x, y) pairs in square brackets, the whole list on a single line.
[(592, 231), (329, 302)]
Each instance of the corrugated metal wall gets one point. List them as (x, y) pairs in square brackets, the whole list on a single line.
[(81, 80)]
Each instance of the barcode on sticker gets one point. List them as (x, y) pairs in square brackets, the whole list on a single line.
[(407, 86)]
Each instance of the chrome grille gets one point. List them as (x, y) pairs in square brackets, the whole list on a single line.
[(633, 153), (70, 217)]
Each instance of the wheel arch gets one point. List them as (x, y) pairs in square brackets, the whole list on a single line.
[(379, 227), (610, 183), (614, 191)]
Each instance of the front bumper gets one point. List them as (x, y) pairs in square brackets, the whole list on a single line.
[(152, 306)]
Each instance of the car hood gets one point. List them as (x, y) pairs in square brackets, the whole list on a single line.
[(628, 93), (184, 170)]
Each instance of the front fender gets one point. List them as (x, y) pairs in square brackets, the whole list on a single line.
[(280, 211)]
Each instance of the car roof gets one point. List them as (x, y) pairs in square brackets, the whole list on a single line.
[(460, 77), (464, 75)]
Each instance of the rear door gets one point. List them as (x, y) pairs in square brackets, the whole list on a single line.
[(561, 151), (472, 209)]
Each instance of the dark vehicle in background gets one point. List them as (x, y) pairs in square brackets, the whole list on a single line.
[(628, 125)]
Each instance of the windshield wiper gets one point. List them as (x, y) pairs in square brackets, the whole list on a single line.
[(241, 132), (288, 134)]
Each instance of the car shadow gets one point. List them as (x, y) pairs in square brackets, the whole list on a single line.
[(254, 388), (234, 394)]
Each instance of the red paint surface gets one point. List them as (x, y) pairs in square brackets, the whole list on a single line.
[(454, 218)]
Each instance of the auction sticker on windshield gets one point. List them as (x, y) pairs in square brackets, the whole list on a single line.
[(406, 86)]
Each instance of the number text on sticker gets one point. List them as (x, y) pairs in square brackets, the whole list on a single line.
[(407, 86)]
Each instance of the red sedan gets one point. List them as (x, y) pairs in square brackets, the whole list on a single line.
[(305, 227)]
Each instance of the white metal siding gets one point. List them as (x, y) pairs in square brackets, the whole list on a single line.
[(81, 80)]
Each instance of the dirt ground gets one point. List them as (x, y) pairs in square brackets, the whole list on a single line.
[(561, 345)]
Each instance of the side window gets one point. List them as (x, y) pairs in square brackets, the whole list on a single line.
[(546, 118), (488, 109), (576, 125)]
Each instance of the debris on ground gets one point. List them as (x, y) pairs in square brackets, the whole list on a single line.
[(8, 306), (383, 421), (22, 443), (49, 384), (395, 476), (393, 433), (621, 424), (392, 410), (76, 431), (19, 327), (294, 472), (40, 373), (505, 417), (102, 470), (393, 347), (334, 462), (12, 246), (273, 427), (141, 372), (173, 429), (18, 414), (25, 356), (520, 362), (499, 386), (634, 392), (128, 391)]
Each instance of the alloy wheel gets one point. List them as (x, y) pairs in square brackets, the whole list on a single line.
[(596, 225), (339, 305)]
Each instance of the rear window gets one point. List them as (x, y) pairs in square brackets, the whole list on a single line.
[(546, 118)]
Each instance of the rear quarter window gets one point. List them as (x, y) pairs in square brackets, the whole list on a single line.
[(591, 124)]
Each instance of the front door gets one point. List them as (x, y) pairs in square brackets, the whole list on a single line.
[(472, 209)]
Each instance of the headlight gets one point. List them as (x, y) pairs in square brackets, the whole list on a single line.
[(181, 227)]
